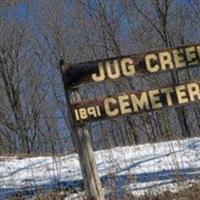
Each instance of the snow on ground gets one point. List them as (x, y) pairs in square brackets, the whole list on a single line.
[(137, 168)]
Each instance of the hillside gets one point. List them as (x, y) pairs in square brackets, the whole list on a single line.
[(136, 169)]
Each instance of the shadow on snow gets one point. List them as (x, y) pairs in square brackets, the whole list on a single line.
[(164, 177)]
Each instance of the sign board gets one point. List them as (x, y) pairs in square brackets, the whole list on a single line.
[(123, 104), (133, 103), (128, 66)]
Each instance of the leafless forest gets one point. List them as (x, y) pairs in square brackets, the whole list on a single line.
[(35, 35)]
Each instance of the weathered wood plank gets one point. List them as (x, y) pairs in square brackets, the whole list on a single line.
[(132, 103), (128, 66)]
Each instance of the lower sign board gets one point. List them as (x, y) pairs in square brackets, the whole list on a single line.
[(135, 102)]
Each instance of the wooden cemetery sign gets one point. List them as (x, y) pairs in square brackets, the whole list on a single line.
[(101, 108)]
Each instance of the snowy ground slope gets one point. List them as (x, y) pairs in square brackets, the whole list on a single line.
[(140, 167)]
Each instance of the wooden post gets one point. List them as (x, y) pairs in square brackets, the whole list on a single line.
[(82, 142)]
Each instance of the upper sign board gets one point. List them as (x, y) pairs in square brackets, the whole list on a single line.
[(128, 66)]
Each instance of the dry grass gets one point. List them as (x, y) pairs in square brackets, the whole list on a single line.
[(191, 193), (32, 155)]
